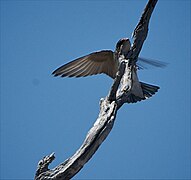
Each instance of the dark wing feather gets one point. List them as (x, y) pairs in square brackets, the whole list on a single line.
[(94, 63), (144, 63)]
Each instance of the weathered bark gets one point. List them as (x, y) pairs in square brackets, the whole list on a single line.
[(108, 110)]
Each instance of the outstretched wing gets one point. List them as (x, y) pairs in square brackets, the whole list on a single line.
[(94, 63), (144, 63)]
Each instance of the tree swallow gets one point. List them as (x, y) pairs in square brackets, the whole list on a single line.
[(107, 62)]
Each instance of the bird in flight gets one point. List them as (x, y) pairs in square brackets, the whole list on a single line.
[(107, 62)]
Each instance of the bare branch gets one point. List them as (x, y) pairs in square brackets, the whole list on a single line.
[(94, 138), (141, 30), (116, 83), (108, 109)]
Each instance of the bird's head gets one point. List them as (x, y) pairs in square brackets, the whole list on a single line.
[(123, 46)]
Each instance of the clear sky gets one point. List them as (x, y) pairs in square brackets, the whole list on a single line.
[(41, 114)]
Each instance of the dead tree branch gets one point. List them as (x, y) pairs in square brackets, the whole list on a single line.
[(108, 110)]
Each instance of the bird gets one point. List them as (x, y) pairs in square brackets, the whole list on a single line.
[(107, 62)]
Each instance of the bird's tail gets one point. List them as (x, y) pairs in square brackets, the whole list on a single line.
[(148, 91)]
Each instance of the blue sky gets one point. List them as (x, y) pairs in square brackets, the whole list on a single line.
[(41, 114)]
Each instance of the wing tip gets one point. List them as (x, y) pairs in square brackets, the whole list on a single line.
[(55, 74)]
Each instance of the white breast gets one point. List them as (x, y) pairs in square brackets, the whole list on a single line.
[(136, 86)]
